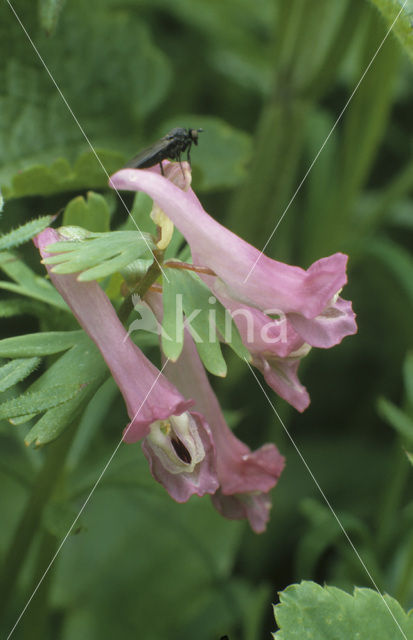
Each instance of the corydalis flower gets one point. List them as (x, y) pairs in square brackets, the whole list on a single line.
[(307, 297), (245, 477), (275, 347), (150, 398), (181, 455)]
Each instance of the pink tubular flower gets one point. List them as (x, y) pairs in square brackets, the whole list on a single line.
[(275, 347), (245, 477), (179, 442), (307, 297)]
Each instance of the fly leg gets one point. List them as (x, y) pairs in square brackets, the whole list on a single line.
[(180, 164)]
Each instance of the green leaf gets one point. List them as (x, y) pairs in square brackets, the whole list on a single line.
[(410, 457), (82, 366), (56, 419), (192, 296), (396, 418), (221, 158), (16, 371), (38, 344), (49, 11), (139, 217), (37, 402), (28, 283), (361, 137), (186, 292), (25, 232), (99, 254), (119, 85), (91, 213), (323, 533), (17, 306), (307, 610), (88, 171), (58, 518), (396, 259), (402, 28), (408, 378)]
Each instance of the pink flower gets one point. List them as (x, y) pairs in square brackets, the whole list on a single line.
[(275, 347), (154, 405), (307, 297), (181, 455), (245, 477)]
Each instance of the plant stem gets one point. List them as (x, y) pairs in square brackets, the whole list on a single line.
[(25, 531), (34, 624), (392, 498), (171, 264), (142, 287), (405, 585)]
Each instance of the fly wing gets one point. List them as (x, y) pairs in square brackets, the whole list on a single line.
[(150, 156)]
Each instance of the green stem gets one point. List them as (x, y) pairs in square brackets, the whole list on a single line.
[(405, 586), (142, 287), (388, 514), (34, 622), (25, 531)]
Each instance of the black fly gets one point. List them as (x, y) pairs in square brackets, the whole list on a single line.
[(170, 147)]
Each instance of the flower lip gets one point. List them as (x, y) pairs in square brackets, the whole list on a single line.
[(181, 456)]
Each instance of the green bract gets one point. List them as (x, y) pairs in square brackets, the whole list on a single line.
[(99, 254)]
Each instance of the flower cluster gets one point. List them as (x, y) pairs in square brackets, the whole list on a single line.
[(280, 311)]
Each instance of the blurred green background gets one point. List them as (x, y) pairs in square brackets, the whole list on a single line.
[(267, 81)]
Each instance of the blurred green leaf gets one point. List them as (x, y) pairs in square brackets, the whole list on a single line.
[(88, 171), (362, 136), (408, 379), (139, 217), (396, 259), (327, 613), (204, 590), (396, 418), (322, 533), (58, 517), (25, 232), (17, 306), (398, 16), (38, 344), (109, 95), (49, 11), (92, 213), (28, 283), (16, 371)]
